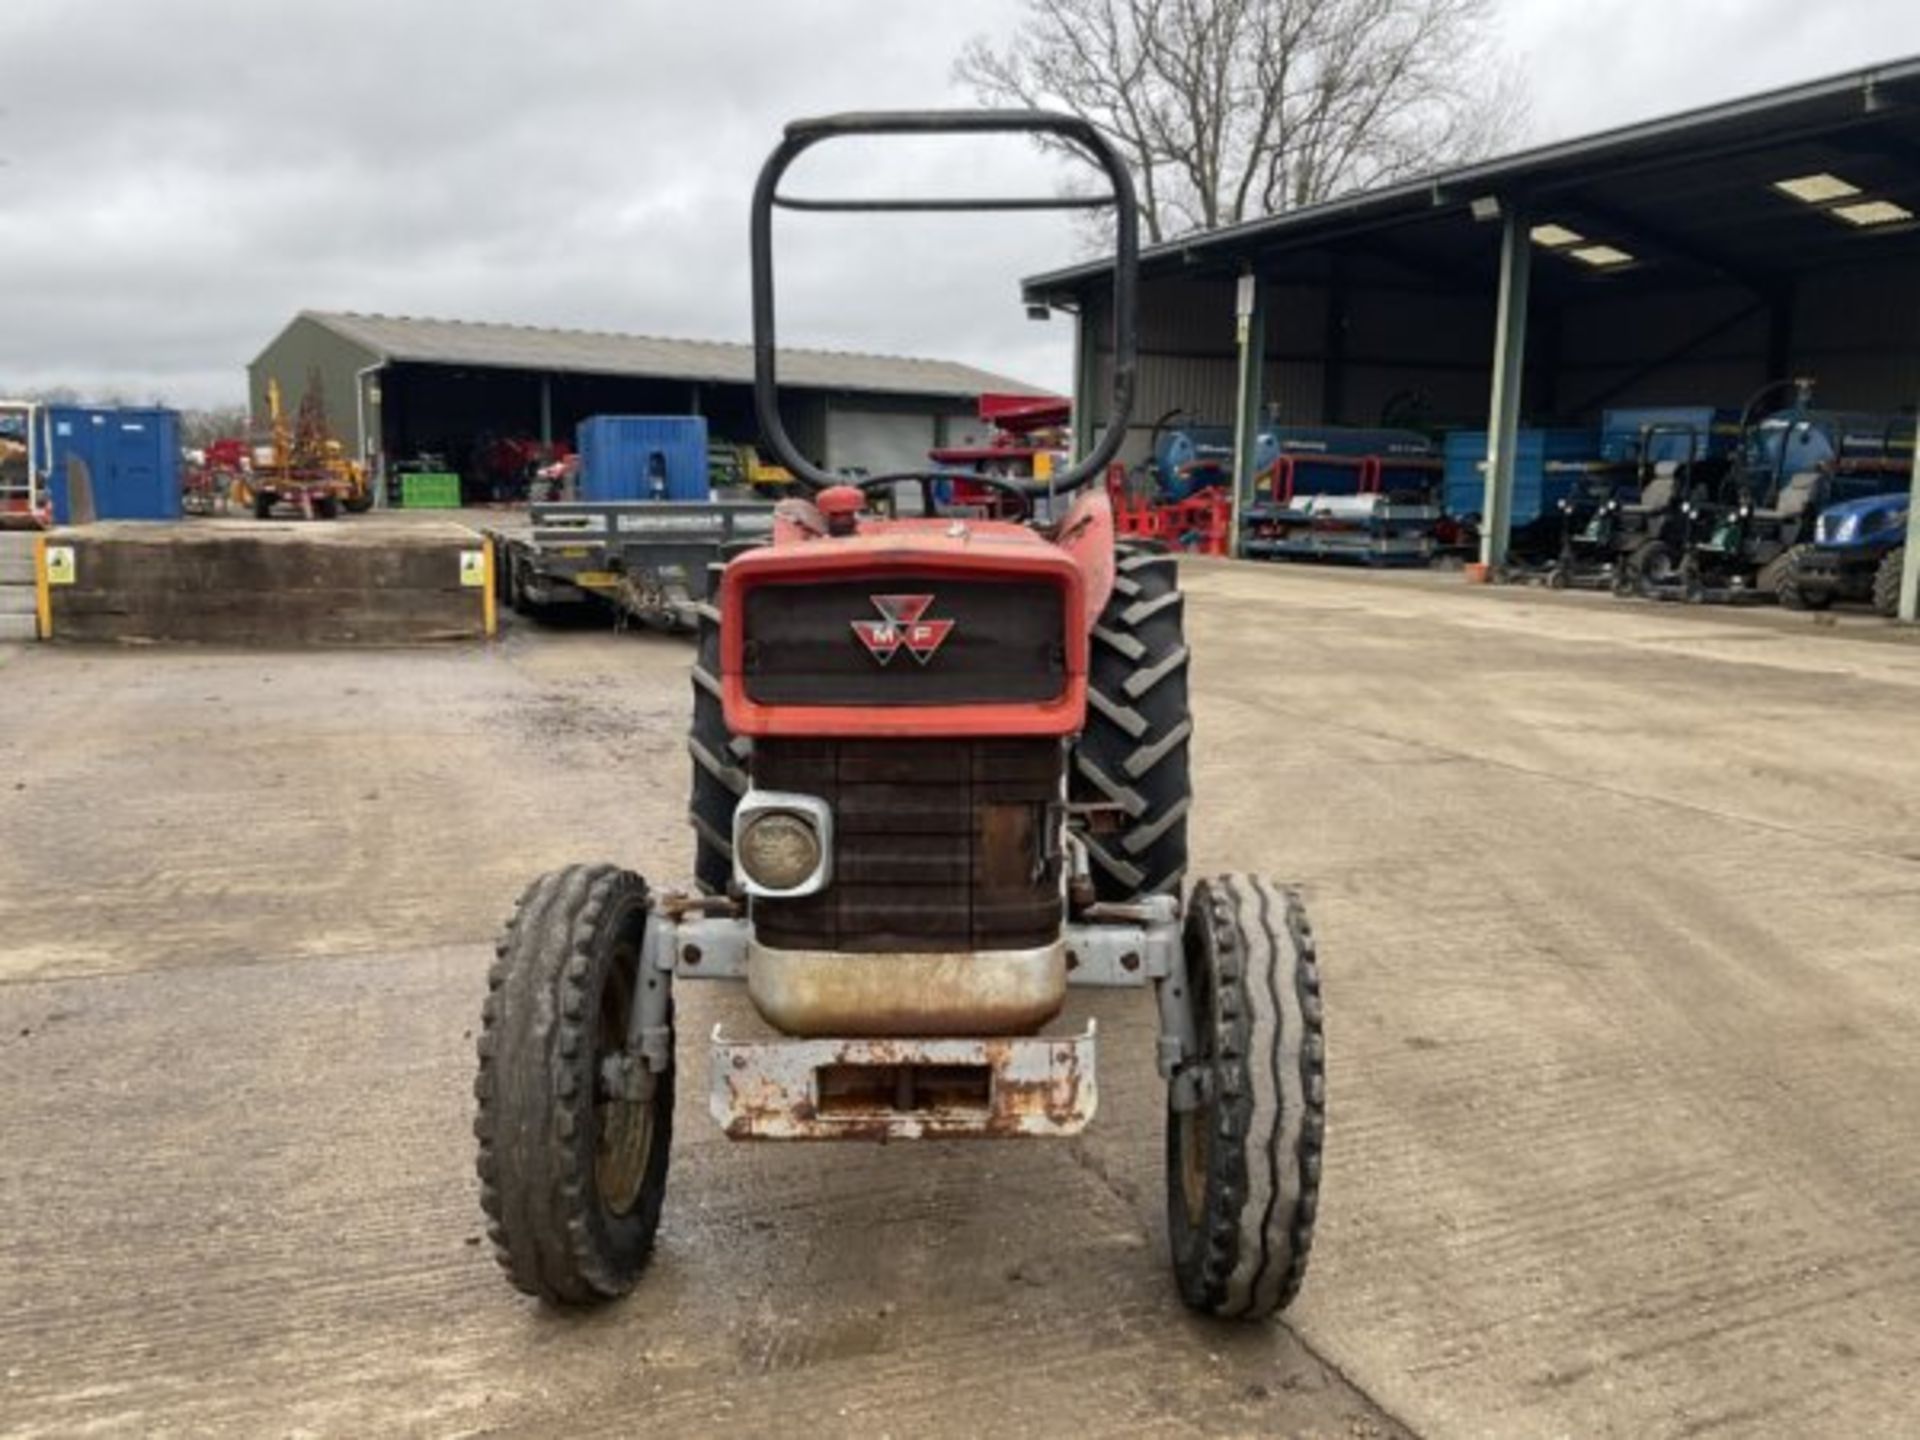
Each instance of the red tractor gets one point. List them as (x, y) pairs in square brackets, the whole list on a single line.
[(940, 776)]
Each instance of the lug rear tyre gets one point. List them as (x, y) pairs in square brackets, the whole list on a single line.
[(719, 757), (1132, 755), (572, 1168), (1886, 582), (1789, 589), (1767, 582), (1243, 1169)]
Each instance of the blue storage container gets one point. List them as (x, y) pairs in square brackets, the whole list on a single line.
[(132, 457), (643, 457), (1547, 466)]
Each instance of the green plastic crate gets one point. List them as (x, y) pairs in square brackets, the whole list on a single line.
[(430, 492)]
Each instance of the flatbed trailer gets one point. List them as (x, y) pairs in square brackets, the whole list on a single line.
[(1370, 529), (646, 558)]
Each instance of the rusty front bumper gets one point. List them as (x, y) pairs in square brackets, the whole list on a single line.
[(905, 1089)]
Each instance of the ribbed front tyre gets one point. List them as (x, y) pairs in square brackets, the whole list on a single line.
[(1243, 1168), (573, 1142)]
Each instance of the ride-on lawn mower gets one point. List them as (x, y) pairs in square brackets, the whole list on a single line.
[(1630, 545), (940, 776)]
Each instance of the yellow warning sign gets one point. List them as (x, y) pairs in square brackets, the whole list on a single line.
[(60, 566), (473, 567)]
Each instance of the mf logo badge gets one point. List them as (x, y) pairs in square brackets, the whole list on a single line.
[(901, 627)]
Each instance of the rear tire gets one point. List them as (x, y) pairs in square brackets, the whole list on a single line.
[(1243, 1169), (572, 1175), (1650, 569), (1789, 591), (1693, 585), (1886, 582), (1133, 752), (1767, 582), (719, 757)]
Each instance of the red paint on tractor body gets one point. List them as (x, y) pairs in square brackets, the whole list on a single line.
[(1076, 556)]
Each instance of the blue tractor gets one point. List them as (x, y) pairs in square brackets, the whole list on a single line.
[(1858, 550)]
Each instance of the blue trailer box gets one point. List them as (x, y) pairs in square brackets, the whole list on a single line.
[(132, 458), (1325, 457), (1547, 466), (643, 457)]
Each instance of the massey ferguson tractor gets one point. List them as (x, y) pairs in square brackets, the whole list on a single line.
[(940, 777)]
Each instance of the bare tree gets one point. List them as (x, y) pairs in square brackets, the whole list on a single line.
[(199, 428), (1227, 110)]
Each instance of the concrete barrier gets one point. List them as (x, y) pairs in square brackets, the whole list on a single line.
[(362, 581)]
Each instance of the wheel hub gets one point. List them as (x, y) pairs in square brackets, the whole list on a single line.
[(622, 1105)]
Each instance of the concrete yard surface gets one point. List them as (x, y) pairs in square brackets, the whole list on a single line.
[(1617, 903)]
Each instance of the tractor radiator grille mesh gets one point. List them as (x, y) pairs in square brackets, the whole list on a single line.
[(1006, 644), (938, 844)]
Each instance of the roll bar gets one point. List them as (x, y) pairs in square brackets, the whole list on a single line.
[(802, 135)]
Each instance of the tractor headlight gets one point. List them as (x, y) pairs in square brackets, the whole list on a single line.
[(782, 843)]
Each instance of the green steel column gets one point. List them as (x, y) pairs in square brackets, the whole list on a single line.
[(1910, 572), (1509, 369), (546, 414), (1086, 378), (1250, 331)]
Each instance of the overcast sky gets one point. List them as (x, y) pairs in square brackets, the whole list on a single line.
[(181, 176)]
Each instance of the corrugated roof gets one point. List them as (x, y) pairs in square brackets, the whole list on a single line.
[(595, 352)]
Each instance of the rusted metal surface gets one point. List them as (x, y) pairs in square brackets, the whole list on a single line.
[(986, 992), (678, 904), (903, 1089)]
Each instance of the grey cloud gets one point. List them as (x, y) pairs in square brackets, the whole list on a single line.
[(181, 177)]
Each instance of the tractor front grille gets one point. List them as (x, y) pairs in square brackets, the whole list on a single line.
[(939, 845), (1005, 645)]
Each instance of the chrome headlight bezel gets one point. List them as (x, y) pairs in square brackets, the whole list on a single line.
[(777, 809)]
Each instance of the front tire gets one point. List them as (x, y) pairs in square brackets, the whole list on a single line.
[(1243, 1169), (573, 1168), (1132, 755)]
